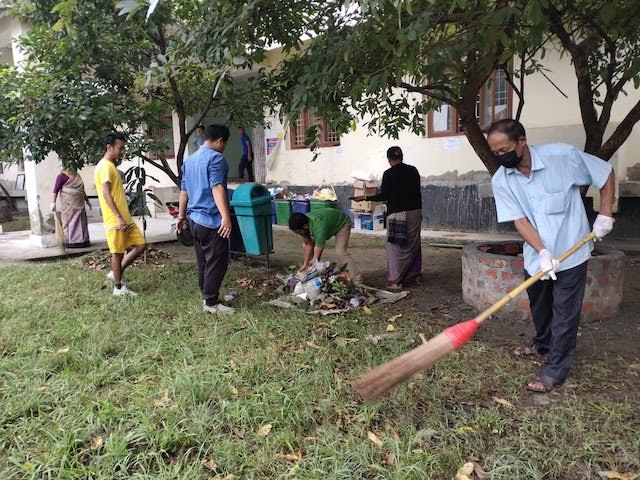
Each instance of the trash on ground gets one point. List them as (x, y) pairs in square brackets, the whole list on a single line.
[(231, 295), (324, 289)]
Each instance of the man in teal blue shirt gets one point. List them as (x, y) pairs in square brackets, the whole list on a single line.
[(538, 188), (203, 203)]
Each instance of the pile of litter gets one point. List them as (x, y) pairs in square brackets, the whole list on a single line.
[(324, 193), (325, 289), (101, 260)]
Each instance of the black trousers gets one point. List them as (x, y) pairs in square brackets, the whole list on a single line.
[(555, 308), (212, 256), (246, 164)]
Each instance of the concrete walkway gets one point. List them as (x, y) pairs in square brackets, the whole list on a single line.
[(16, 246)]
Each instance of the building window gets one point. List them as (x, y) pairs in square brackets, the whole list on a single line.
[(493, 103), (304, 121), (165, 133)]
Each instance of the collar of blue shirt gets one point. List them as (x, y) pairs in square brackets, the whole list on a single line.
[(536, 163)]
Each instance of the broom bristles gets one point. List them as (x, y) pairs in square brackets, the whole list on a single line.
[(383, 378)]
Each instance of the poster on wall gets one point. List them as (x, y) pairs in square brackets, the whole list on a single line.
[(273, 139), (272, 143)]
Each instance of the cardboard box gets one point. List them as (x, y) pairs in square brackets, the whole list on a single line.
[(365, 192), (364, 189), (362, 184), (364, 206), (370, 221)]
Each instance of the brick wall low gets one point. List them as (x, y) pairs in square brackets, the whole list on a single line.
[(487, 277)]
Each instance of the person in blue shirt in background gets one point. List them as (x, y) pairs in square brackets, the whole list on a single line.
[(246, 162), (198, 139), (538, 188), (204, 204)]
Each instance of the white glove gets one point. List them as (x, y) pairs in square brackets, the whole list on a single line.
[(52, 207), (548, 264), (602, 226)]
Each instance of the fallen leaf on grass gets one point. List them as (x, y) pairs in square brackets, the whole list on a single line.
[(390, 459), (63, 350), (465, 429), (164, 400), (290, 457), (374, 438), (96, 442), (265, 430), (479, 471), (233, 389), (613, 475), (366, 310), (209, 464), (390, 328), (502, 401), (43, 389), (394, 318), (313, 345), (464, 471), (422, 337), (635, 366), (231, 476)]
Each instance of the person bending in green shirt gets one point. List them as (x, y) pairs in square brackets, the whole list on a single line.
[(316, 228)]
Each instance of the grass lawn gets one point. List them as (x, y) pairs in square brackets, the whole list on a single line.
[(16, 225), (152, 388)]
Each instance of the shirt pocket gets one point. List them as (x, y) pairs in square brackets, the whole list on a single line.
[(555, 203)]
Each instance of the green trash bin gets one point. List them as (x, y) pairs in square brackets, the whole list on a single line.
[(318, 204), (252, 205), (283, 211)]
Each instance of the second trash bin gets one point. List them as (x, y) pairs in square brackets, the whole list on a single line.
[(318, 204), (252, 205), (283, 211)]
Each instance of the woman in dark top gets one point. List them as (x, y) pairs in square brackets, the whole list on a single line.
[(401, 191)]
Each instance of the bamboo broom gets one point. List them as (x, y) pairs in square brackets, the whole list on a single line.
[(385, 377)]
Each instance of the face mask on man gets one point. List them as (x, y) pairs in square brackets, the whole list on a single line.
[(509, 159)]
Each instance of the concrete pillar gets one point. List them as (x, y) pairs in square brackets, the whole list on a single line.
[(39, 181)]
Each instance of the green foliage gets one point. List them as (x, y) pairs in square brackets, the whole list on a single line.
[(390, 62), (139, 195), (98, 65)]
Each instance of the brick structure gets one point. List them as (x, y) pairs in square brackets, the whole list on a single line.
[(491, 270)]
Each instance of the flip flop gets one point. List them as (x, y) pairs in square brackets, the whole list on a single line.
[(547, 383), (526, 349)]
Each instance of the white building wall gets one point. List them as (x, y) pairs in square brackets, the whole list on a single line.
[(548, 117)]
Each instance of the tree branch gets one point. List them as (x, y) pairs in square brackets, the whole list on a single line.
[(427, 90), (163, 167), (620, 134)]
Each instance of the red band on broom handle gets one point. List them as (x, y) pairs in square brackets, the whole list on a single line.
[(460, 333)]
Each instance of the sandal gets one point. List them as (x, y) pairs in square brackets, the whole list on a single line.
[(394, 287), (525, 349), (543, 384)]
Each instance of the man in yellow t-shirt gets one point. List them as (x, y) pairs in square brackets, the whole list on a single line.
[(122, 233)]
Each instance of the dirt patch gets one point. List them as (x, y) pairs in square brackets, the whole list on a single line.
[(438, 301)]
